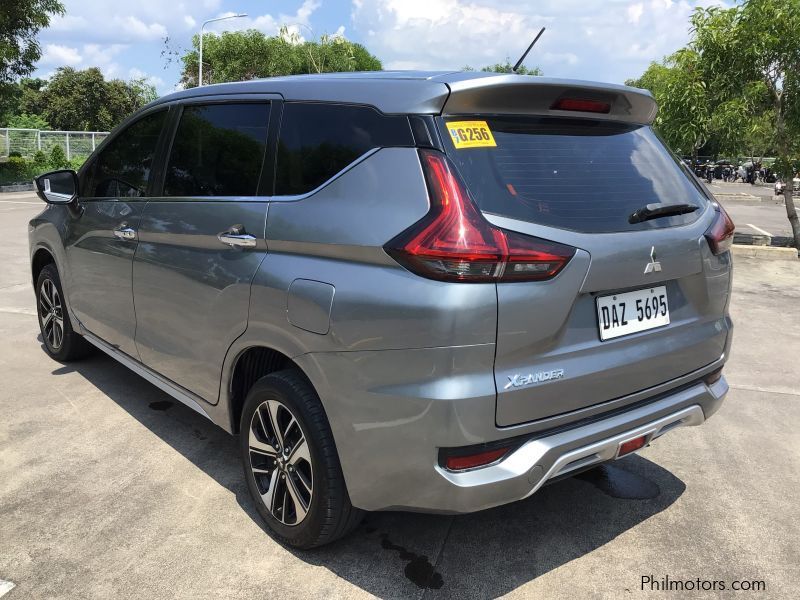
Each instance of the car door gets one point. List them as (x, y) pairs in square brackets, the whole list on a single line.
[(201, 241), (101, 239)]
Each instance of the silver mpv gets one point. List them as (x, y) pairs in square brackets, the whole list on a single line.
[(415, 291)]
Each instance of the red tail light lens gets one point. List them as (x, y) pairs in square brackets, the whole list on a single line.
[(720, 234), (454, 242), (581, 105)]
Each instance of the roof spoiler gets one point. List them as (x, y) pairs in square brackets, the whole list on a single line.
[(520, 94)]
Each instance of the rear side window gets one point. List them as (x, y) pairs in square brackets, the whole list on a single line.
[(122, 168), (218, 150), (318, 140), (582, 175)]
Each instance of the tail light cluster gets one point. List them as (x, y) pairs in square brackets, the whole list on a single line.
[(455, 242), (720, 233)]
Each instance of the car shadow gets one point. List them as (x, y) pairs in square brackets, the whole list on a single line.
[(397, 554)]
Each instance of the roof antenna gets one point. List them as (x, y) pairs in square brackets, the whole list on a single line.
[(521, 58)]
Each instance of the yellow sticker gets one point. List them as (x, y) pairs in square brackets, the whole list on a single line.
[(471, 134)]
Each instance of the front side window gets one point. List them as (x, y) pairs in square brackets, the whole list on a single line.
[(318, 140), (123, 168), (218, 150)]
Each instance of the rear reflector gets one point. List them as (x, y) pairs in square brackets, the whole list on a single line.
[(459, 463), (720, 233), (631, 445), (581, 105), (455, 242)]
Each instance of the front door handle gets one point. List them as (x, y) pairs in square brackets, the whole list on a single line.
[(235, 236), (124, 232)]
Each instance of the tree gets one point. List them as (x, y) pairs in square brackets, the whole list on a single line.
[(759, 43), (84, 100), (507, 67), (28, 121), (684, 103), (20, 21), (244, 55)]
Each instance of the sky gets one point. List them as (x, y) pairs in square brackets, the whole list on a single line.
[(601, 40)]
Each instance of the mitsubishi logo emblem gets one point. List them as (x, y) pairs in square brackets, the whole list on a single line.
[(653, 266)]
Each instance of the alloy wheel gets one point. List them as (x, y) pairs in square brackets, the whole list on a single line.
[(280, 460), (51, 313)]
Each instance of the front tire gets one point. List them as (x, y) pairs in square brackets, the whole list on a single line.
[(291, 464), (60, 341)]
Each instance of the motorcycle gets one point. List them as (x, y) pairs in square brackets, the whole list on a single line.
[(780, 186)]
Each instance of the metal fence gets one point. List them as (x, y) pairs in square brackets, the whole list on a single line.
[(26, 142)]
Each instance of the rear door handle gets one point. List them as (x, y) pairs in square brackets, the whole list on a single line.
[(235, 236), (124, 232)]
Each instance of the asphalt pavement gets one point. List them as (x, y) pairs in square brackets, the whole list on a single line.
[(109, 489)]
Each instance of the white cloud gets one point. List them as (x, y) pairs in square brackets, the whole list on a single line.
[(138, 29), (270, 24), (635, 12), (88, 55), (56, 55), (588, 40)]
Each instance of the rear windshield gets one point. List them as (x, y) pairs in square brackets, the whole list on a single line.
[(582, 175)]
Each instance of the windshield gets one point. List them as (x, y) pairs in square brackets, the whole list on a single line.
[(576, 174)]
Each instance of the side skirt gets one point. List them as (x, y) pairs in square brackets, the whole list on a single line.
[(180, 394)]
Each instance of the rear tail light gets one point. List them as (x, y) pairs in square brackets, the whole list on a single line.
[(720, 233), (471, 461), (581, 105), (455, 242)]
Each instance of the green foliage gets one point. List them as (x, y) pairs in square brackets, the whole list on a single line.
[(58, 158), (719, 93), (757, 46), (684, 114), (20, 21), (28, 121), (23, 170), (244, 55), (40, 160), (507, 67), (84, 100)]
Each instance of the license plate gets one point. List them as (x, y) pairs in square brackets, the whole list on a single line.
[(632, 312)]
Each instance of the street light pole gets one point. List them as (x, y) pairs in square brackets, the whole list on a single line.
[(200, 69)]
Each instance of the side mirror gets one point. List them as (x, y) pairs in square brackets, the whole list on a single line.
[(57, 187)]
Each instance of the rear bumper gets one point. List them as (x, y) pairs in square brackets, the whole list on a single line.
[(528, 468), (392, 412)]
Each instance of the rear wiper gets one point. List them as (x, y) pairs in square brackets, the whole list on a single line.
[(656, 211)]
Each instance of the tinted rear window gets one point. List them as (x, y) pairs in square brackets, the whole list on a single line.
[(581, 175), (319, 140)]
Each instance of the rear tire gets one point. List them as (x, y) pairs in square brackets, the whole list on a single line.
[(60, 341), (291, 464)]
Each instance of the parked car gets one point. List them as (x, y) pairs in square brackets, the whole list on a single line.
[(398, 289)]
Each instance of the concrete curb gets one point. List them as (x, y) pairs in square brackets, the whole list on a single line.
[(764, 252)]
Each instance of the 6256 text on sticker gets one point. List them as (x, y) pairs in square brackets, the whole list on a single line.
[(471, 134)]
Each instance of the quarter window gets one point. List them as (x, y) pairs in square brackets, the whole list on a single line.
[(218, 150), (318, 140), (123, 168)]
